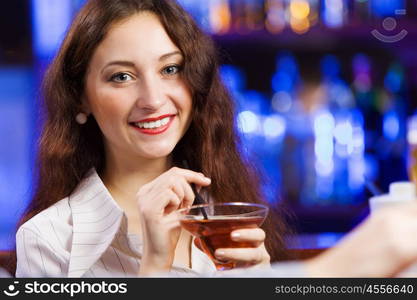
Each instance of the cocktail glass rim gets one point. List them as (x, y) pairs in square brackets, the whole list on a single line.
[(262, 207)]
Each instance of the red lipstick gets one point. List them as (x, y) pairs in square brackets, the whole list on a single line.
[(154, 119), (154, 131)]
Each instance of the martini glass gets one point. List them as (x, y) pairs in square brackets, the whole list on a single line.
[(214, 232)]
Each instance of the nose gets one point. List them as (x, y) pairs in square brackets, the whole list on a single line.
[(150, 96)]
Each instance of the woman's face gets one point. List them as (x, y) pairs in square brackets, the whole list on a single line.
[(135, 90)]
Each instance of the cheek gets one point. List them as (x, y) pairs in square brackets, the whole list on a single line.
[(110, 106), (188, 107), (184, 99)]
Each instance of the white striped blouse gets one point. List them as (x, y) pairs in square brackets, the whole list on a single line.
[(85, 235)]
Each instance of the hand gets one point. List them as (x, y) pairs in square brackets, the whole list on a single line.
[(246, 257), (384, 245), (157, 201)]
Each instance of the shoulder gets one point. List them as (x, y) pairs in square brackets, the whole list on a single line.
[(52, 225), (58, 214), (43, 243), (58, 217)]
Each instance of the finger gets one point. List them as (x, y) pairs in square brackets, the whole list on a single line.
[(172, 221), (189, 195), (184, 191), (254, 235), (172, 201), (191, 176), (243, 255), (177, 187)]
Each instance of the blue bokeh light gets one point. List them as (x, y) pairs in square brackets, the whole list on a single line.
[(384, 8), (324, 124), (248, 122), (287, 75), (333, 12), (199, 10), (274, 127), (391, 125), (412, 130), (50, 19), (330, 66), (394, 79), (343, 132), (233, 77)]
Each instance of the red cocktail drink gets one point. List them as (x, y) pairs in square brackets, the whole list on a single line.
[(223, 218)]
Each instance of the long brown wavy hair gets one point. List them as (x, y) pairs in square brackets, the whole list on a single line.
[(67, 150)]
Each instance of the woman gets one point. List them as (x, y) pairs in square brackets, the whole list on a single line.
[(133, 91)]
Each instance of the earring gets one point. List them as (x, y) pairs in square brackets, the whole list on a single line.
[(81, 118)]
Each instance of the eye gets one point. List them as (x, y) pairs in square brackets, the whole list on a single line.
[(121, 77), (171, 70)]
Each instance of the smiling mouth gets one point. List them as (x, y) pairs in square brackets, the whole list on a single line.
[(154, 125)]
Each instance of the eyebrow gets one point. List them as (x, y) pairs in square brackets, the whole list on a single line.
[(131, 64), (165, 56)]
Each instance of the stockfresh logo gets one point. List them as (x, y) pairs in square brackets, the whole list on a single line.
[(11, 290)]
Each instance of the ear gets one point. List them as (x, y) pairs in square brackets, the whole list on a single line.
[(85, 105)]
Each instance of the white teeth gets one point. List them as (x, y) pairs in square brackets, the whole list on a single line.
[(154, 124)]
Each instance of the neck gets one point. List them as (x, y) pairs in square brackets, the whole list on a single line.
[(123, 177)]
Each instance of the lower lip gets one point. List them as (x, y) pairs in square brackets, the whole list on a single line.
[(155, 131)]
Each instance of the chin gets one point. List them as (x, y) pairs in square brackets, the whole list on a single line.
[(155, 155), (157, 152)]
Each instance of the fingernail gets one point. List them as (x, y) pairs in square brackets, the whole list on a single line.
[(220, 253), (235, 235), (207, 179)]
